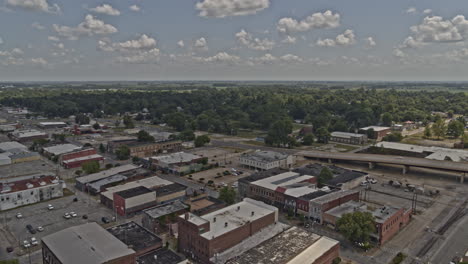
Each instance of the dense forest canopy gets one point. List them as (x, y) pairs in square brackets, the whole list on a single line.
[(228, 109)]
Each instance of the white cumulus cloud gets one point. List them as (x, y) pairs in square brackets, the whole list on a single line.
[(246, 39), (427, 11), (34, 5), (221, 57), (289, 40), (89, 27), (180, 44), (201, 43), (346, 39), (327, 19), (141, 50), (225, 8), (411, 10), (370, 42), (135, 8), (105, 9), (37, 26)]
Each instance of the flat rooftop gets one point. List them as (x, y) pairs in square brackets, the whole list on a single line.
[(89, 157), (381, 214), (21, 185), (289, 183), (435, 153), (134, 236), (133, 192), (333, 196), (346, 134), (179, 157), (104, 174), (169, 189), (235, 216), (205, 205), (150, 183), (265, 156), (28, 133), (345, 177), (262, 175), (282, 248), (88, 243), (375, 128), (165, 209), (61, 149), (6, 146), (160, 256)]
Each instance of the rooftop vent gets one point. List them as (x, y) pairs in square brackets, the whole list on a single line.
[(29, 185), (253, 213), (238, 208), (225, 224), (214, 220)]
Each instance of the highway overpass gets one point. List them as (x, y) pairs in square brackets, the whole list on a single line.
[(406, 162)]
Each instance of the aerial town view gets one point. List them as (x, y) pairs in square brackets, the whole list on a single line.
[(233, 132)]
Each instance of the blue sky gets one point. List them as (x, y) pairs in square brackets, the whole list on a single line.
[(233, 40)]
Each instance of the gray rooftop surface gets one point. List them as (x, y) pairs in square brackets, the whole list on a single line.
[(61, 149), (160, 256), (265, 156), (134, 236), (165, 209), (88, 243), (104, 174)]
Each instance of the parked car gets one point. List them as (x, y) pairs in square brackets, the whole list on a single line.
[(19, 215), (40, 228), (75, 199), (364, 183), (26, 244), (67, 216), (73, 214), (10, 249), (50, 207), (105, 220), (373, 181), (85, 216), (31, 229), (34, 241)]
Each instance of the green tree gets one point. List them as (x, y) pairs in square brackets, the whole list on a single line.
[(96, 126), (227, 195), (90, 167), (187, 135), (322, 135), (123, 152), (82, 119), (144, 136), (427, 132), (59, 137), (102, 149), (455, 129), (325, 175), (308, 139), (176, 120), (200, 141), (439, 129), (387, 119), (128, 122), (278, 134), (357, 226), (393, 137)]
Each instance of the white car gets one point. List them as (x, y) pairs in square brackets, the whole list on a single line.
[(364, 183), (67, 216), (373, 181), (34, 241), (19, 215), (26, 244), (50, 207), (40, 228), (73, 214)]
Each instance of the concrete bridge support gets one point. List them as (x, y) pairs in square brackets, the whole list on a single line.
[(462, 178), (371, 165), (406, 169)]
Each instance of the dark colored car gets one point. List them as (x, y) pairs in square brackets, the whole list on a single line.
[(9, 249), (85, 216), (75, 199), (105, 220), (31, 229)]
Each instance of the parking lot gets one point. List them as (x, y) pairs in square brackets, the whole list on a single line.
[(218, 176), (14, 230), (36, 167)]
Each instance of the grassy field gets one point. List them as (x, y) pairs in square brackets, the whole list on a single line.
[(243, 133)]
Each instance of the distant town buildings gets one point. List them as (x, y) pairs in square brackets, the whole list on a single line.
[(13, 152), (77, 158), (103, 177), (163, 218), (28, 135), (58, 150), (87, 243), (136, 237), (177, 163), (348, 138), (435, 153), (266, 160), (378, 132), (29, 191), (142, 149), (49, 125)]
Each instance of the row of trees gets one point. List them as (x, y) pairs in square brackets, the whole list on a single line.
[(454, 129), (228, 110)]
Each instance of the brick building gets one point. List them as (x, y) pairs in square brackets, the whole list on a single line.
[(27, 135), (87, 243), (319, 205), (201, 237), (266, 160), (388, 220), (82, 183), (131, 201), (77, 158), (348, 138), (152, 217), (378, 132), (142, 149)]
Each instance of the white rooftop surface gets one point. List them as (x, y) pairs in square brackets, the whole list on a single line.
[(147, 182), (176, 158), (104, 174), (438, 153), (265, 156), (52, 123), (235, 217), (61, 149), (6, 146), (272, 183), (315, 251), (88, 243), (28, 133), (93, 156), (300, 191), (345, 134), (375, 128)]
